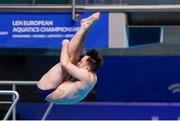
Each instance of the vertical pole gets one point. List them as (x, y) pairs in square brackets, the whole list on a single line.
[(14, 109), (33, 2), (73, 10)]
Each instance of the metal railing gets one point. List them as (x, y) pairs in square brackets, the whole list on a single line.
[(100, 8), (93, 8), (47, 111), (14, 83), (3, 92)]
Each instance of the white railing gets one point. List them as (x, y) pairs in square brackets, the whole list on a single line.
[(47, 111), (4, 92), (101, 8), (14, 83)]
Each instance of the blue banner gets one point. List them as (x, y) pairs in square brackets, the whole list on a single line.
[(48, 29)]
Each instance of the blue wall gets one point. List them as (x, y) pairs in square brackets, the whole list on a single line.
[(138, 79)]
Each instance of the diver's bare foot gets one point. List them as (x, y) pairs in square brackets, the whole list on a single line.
[(87, 22)]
